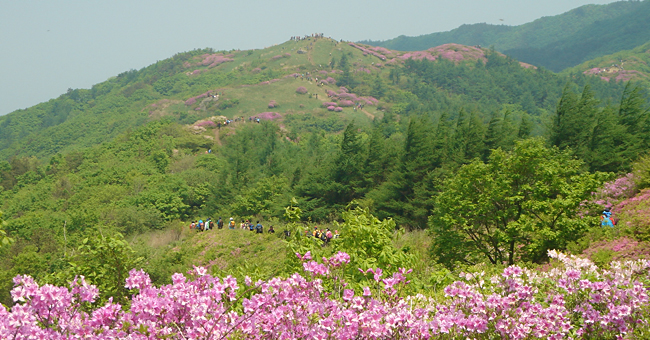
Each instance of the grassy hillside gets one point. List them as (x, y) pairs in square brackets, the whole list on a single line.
[(620, 66), (554, 42), (247, 81)]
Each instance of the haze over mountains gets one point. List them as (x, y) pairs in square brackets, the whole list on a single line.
[(556, 42)]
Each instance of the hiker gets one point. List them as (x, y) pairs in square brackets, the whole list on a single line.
[(220, 223), (231, 224), (259, 228), (323, 237), (251, 226), (207, 224), (211, 226), (287, 233), (329, 234), (606, 219), (243, 225), (192, 225), (271, 230), (200, 225)]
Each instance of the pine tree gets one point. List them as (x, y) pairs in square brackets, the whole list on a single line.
[(632, 113), (348, 167), (525, 127), (475, 138), (493, 135)]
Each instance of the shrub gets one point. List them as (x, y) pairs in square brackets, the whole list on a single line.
[(269, 115), (205, 123), (301, 90)]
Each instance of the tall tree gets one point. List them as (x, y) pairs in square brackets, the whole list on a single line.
[(513, 208), (493, 135), (348, 168)]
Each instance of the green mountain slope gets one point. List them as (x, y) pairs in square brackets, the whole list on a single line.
[(82, 118), (620, 66), (554, 42), (339, 122)]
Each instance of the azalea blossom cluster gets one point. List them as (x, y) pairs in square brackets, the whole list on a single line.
[(191, 101), (348, 99), (575, 300), (367, 51), (210, 60), (615, 191), (301, 90), (268, 115)]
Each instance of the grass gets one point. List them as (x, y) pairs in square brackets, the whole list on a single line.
[(223, 251)]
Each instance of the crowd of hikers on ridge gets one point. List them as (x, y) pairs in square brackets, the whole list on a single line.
[(209, 224), (324, 235)]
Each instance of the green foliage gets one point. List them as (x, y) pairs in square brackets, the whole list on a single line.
[(104, 262), (607, 140), (368, 241), (513, 208), (118, 155), (4, 240), (264, 198)]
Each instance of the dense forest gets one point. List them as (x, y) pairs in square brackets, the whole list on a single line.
[(443, 163)]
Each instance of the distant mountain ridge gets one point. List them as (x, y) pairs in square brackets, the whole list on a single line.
[(556, 42)]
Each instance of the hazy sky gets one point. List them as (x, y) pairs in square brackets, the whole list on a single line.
[(47, 47)]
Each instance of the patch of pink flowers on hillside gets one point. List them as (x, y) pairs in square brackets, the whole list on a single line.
[(269, 115), (453, 52), (209, 60)]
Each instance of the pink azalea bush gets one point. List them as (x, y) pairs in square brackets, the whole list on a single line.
[(205, 123), (346, 103), (212, 60), (192, 101), (327, 104), (453, 52), (269, 115), (338, 109), (591, 71), (367, 51), (272, 104), (623, 248), (331, 108), (330, 80), (574, 300), (615, 191), (301, 90)]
